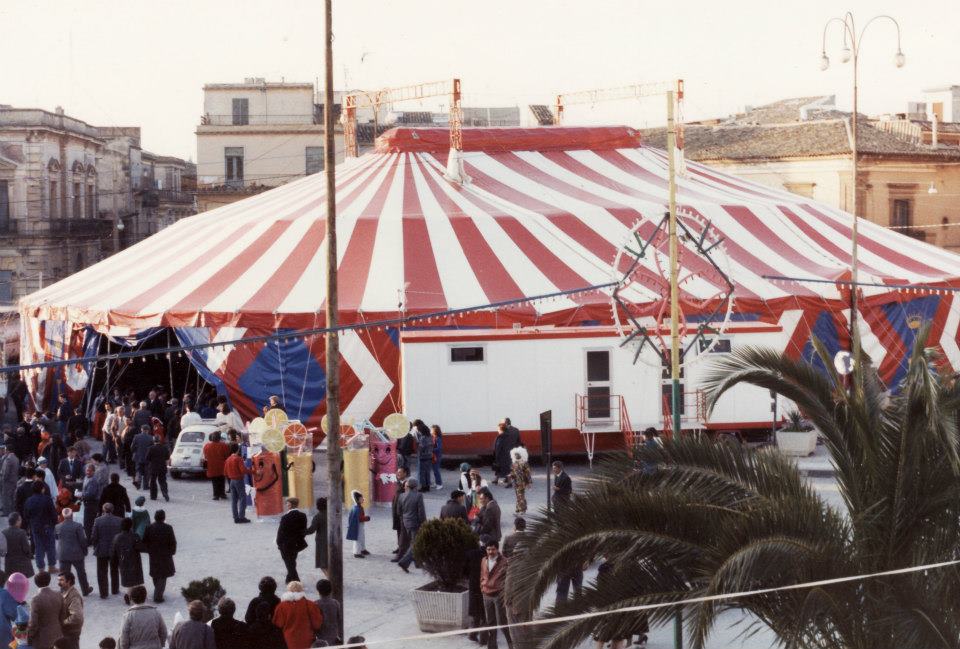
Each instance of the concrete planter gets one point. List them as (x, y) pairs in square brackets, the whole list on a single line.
[(439, 611), (797, 443)]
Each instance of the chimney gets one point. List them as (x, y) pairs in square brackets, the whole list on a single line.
[(58, 110), (935, 135)]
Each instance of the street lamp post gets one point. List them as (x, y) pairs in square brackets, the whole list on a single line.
[(851, 49)]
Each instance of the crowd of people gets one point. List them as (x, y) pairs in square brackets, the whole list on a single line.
[(63, 502)]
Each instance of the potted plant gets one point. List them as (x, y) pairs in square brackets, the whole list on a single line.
[(797, 436), (207, 590), (441, 547)]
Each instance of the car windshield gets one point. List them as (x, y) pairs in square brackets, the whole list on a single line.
[(191, 437)]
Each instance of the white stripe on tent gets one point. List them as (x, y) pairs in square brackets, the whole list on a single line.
[(385, 274), (460, 284), (514, 260)]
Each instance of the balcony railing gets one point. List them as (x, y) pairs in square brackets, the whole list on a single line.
[(81, 227), (259, 120), (173, 196)]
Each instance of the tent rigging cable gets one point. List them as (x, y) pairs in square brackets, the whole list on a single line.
[(846, 282)]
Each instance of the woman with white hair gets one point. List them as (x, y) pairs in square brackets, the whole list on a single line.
[(520, 476)]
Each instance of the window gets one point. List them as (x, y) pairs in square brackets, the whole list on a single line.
[(598, 384), (722, 346), (900, 213), (801, 189), (6, 287), (76, 200), (54, 200), (91, 202), (233, 156), (466, 354), (665, 372), (314, 159), (4, 205), (241, 112)]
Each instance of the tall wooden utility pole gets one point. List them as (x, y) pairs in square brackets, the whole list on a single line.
[(335, 493), (674, 304)]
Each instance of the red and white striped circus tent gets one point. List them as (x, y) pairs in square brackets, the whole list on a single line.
[(542, 211)]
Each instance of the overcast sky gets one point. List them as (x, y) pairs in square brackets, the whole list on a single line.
[(138, 63)]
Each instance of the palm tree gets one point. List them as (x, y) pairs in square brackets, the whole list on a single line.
[(715, 518)]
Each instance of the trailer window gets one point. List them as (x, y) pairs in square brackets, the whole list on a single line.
[(466, 354), (722, 346)]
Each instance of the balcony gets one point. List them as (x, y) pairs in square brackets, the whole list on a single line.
[(81, 227), (173, 196)]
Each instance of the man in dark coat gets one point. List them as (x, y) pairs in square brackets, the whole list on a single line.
[(402, 475), (105, 528), (70, 470), (488, 520), (142, 443), (405, 452), (290, 537), (562, 485), (142, 417), (115, 494), (72, 549), (42, 516), (125, 550), (455, 507), (9, 473), (508, 438), (46, 614), (268, 596), (24, 491), (161, 545), (90, 497), (157, 458), (229, 632), (413, 514), (19, 557)]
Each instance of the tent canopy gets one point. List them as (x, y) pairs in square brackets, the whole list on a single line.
[(544, 210)]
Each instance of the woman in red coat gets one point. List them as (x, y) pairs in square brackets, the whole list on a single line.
[(297, 617)]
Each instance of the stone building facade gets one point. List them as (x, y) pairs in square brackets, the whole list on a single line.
[(256, 135), (804, 146), (50, 225), (67, 191)]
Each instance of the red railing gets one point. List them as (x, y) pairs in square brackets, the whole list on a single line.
[(612, 411), (698, 419)]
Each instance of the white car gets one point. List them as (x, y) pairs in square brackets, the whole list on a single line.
[(187, 458)]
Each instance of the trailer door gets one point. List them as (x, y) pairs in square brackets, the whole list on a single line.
[(598, 384)]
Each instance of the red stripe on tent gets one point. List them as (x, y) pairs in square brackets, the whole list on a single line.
[(420, 263), (569, 224), (889, 339), (625, 164), (840, 253), (774, 242), (907, 263), (939, 323), (494, 279), (355, 264), (228, 274), (627, 215), (275, 289), (157, 261)]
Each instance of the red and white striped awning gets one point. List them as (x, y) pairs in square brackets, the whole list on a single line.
[(544, 210)]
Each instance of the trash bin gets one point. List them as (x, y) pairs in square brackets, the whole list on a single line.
[(356, 474)]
